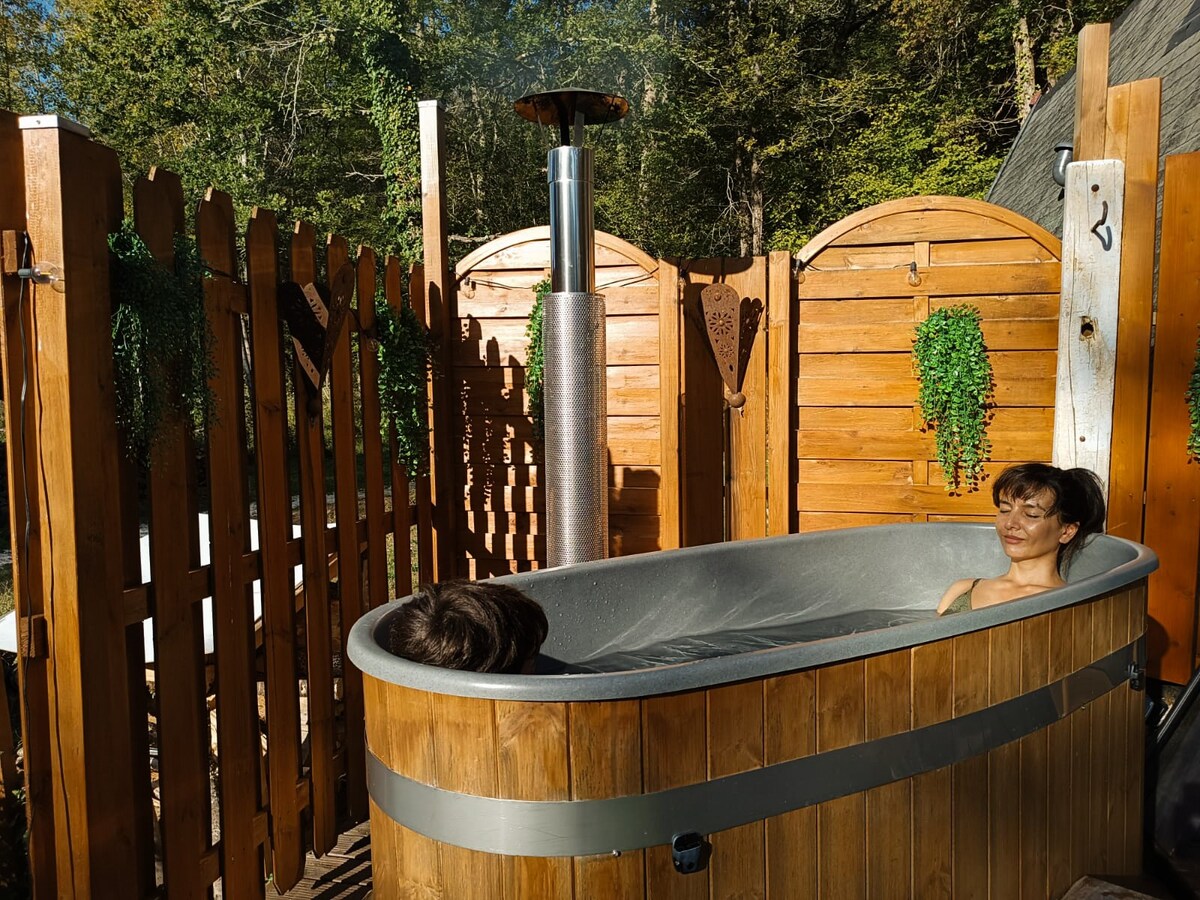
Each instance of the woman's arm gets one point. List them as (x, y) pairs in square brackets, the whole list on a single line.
[(953, 592)]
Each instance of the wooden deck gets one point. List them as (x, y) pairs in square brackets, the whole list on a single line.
[(344, 873)]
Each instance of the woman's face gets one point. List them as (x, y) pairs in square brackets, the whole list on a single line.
[(1027, 530)]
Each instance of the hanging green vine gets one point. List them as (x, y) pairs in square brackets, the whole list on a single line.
[(534, 360), (955, 378), (162, 347), (1193, 402), (403, 373)]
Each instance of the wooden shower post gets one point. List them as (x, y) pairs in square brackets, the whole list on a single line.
[(73, 201), (1091, 91)]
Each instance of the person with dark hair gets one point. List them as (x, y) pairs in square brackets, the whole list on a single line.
[(477, 626), (1044, 516)]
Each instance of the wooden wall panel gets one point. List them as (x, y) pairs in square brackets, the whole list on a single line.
[(1173, 481), (866, 284)]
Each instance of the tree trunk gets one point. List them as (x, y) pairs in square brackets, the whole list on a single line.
[(1026, 75)]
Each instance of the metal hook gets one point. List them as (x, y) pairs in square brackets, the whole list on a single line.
[(1105, 240)]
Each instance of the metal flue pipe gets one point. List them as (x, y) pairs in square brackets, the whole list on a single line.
[(573, 340), (575, 413)]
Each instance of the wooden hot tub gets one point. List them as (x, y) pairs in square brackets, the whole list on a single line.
[(876, 751)]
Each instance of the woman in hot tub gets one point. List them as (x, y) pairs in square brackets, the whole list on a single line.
[(1044, 516)]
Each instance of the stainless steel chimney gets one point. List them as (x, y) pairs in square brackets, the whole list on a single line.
[(575, 402)]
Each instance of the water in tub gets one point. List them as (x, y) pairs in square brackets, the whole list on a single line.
[(727, 643)]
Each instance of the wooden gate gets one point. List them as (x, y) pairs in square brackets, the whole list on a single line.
[(862, 455)]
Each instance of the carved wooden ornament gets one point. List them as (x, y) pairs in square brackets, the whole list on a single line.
[(722, 309)]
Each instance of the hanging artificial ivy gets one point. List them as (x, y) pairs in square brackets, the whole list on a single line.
[(955, 377), (534, 360), (403, 348), (162, 347), (1193, 402)]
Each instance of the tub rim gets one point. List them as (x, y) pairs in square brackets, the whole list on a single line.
[(372, 660)]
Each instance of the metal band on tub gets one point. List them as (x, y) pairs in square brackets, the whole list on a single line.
[(588, 827)]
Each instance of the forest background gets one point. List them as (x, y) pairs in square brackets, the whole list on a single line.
[(753, 124)]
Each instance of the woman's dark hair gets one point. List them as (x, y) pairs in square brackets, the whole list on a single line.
[(470, 625), (1078, 499)]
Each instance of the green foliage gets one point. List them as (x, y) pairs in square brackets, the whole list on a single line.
[(403, 370), (535, 375), (162, 357), (752, 125), (1193, 403), (955, 378)]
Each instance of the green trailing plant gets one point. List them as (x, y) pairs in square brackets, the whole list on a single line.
[(955, 377), (1193, 403), (162, 346), (535, 360), (403, 348)]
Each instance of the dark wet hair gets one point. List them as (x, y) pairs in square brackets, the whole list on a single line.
[(1078, 499), (471, 625)]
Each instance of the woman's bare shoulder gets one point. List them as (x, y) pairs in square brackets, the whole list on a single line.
[(955, 591)]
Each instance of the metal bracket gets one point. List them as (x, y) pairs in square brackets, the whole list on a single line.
[(1137, 675)]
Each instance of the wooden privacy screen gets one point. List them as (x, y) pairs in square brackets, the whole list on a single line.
[(289, 757), (863, 457), (502, 528)]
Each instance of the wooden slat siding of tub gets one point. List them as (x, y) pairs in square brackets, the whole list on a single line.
[(735, 744), (889, 808), (1058, 741), (1004, 767), (1102, 736), (606, 761), (465, 751), (970, 778), (532, 763), (933, 702), (1118, 796), (1135, 747), (841, 823), (417, 861), (1081, 742), (674, 754), (790, 732), (1034, 760)]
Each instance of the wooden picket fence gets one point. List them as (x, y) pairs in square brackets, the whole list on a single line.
[(288, 772)]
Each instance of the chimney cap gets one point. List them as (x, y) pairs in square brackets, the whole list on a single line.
[(565, 106)]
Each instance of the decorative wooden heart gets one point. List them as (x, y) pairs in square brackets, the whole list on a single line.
[(315, 315)]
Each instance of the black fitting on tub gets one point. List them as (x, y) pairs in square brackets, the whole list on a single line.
[(689, 852)]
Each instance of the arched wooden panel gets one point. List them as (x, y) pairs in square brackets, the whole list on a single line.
[(503, 494), (862, 454)]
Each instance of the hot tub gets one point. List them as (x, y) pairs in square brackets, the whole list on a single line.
[(794, 702)]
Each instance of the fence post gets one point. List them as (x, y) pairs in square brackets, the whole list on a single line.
[(439, 297), (73, 200)]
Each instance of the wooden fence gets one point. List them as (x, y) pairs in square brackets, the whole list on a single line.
[(277, 690)]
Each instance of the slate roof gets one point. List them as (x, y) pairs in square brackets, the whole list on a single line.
[(1152, 38)]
